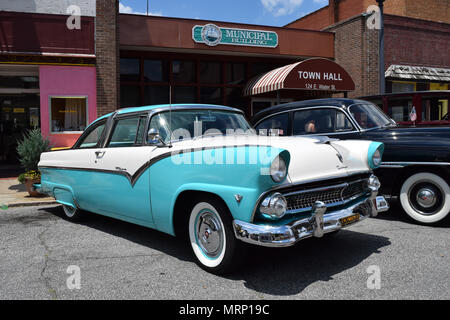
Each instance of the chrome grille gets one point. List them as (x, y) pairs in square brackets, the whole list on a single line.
[(331, 196)]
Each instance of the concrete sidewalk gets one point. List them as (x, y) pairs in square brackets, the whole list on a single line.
[(14, 194)]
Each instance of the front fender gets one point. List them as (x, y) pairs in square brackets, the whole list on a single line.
[(168, 179)]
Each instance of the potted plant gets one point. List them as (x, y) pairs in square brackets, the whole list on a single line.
[(29, 150)]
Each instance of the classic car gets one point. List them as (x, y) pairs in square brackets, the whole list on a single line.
[(201, 172), (416, 161)]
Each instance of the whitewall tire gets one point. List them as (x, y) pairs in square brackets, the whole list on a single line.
[(425, 197), (71, 213), (211, 237)]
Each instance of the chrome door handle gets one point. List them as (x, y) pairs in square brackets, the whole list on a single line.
[(99, 154)]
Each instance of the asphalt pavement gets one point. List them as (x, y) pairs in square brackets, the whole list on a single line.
[(43, 256)]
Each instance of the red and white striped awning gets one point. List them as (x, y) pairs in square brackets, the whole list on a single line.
[(315, 74), (270, 81)]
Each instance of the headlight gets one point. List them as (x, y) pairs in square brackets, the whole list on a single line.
[(376, 158), (278, 169), (273, 206), (375, 154)]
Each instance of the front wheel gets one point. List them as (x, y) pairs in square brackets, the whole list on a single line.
[(211, 236), (425, 197)]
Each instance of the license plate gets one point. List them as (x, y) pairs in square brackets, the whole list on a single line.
[(349, 220)]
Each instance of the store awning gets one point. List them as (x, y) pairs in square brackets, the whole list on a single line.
[(316, 74), (406, 72)]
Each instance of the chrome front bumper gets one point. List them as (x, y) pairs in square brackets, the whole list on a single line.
[(317, 225)]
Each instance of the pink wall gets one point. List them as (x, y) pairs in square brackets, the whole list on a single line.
[(66, 81)]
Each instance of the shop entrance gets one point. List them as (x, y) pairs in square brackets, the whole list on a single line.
[(18, 113)]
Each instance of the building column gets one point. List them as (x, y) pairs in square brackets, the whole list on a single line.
[(107, 56)]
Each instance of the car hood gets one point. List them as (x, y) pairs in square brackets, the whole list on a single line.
[(310, 158)]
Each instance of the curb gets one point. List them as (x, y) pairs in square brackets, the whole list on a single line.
[(29, 204)]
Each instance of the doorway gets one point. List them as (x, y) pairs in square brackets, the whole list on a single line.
[(18, 113)]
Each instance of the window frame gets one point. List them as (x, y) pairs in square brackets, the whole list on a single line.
[(140, 116), (354, 128), (50, 97), (88, 131)]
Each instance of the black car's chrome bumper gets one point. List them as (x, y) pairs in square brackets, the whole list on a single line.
[(318, 224)]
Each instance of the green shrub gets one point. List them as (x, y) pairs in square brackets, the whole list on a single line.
[(30, 148)]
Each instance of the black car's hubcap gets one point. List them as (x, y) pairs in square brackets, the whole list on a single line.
[(426, 198)]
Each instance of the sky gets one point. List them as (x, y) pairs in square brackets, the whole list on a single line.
[(261, 12)]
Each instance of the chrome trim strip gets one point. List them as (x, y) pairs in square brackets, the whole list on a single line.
[(132, 178), (401, 164)]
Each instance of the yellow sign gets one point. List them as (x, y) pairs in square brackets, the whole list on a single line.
[(19, 110)]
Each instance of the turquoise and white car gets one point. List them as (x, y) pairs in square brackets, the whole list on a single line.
[(201, 171)]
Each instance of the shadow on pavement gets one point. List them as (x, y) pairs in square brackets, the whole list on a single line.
[(274, 271), (140, 235), (396, 213)]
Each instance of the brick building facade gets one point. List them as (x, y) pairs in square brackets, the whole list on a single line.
[(417, 34)]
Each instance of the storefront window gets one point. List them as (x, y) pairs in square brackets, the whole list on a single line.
[(156, 95), (234, 98), (235, 73), (403, 87), (68, 114), (434, 108), (400, 108), (129, 69), (183, 71), (129, 96), (184, 95), (259, 68), (156, 71), (23, 82), (210, 72), (211, 95)]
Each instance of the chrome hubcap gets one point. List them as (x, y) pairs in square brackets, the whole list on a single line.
[(209, 234), (426, 197)]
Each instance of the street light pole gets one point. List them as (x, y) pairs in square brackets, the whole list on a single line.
[(381, 77)]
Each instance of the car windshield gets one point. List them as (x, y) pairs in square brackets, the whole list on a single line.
[(369, 116), (187, 124)]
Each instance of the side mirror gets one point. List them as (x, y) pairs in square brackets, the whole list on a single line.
[(154, 139), (153, 136)]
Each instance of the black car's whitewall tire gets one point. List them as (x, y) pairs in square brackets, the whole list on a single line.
[(211, 236), (425, 197), (71, 213)]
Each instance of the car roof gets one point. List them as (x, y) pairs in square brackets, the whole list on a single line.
[(162, 107), (335, 102)]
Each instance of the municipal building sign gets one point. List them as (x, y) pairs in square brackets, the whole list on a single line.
[(213, 35)]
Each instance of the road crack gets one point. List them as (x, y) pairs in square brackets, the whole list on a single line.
[(47, 259)]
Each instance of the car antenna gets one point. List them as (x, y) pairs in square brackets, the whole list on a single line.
[(170, 116)]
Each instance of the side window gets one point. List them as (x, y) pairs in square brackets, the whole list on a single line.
[(93, 136), (124, 133), (324, 120), (278, 123)]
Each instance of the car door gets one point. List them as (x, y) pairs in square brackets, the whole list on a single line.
[(123, 179)]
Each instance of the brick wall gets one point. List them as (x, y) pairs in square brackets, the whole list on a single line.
[(356, 49), (107, 53), (432, 10), (416, 42)]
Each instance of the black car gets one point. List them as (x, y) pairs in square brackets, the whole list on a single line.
[(416, 161)]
